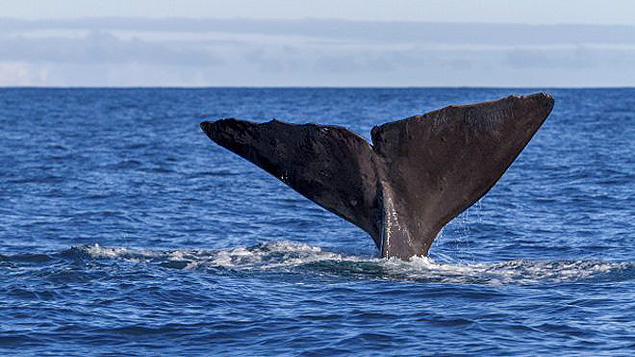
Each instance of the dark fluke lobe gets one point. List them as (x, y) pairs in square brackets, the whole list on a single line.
[(419, 173)]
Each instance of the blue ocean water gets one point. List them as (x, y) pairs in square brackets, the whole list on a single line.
[(123, 229)]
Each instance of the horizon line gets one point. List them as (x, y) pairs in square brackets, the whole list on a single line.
[(315, 87)]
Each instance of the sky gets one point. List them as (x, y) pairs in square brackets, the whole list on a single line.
[(405, 43)]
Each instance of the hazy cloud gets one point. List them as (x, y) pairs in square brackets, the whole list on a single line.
[(374, 31), (208, 52), (99, 47)]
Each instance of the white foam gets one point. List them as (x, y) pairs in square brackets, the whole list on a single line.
[(517, 272), (97, 251), (287, 255), (272, 255)]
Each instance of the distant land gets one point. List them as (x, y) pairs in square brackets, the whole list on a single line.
[(126, 52)]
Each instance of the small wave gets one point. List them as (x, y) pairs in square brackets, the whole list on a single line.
[(121, 254), (25, 258), (299, 257)]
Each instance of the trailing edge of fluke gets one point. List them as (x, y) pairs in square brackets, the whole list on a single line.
[(417, 175)]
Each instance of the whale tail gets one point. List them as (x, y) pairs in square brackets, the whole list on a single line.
[(419, 173)]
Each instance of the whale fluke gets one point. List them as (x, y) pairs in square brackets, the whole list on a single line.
[(419, 173)]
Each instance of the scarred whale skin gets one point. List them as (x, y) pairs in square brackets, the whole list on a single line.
[(419, 173)]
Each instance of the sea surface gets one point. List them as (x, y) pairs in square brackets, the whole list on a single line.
[(124, 230)]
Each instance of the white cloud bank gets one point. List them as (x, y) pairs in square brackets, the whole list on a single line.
[(185, 52)]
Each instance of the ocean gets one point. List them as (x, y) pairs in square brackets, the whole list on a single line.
[(124, 230)]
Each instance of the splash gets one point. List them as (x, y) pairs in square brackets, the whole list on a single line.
[(263, 256), (512, 272), (298, 257)]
